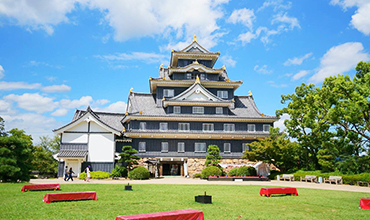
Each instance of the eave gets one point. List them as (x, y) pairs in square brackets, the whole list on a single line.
[(197, 103), (195, 66), (176, 55)]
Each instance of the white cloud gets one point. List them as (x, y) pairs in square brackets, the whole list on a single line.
[(117, 107), (284, 18), (275, 85), (32, 102), (297, 60), (280, 123), (4, 106), (56, 88), (1, 72), (276, 4), (228, 61), (263, 69), (340, 59), (102, 101), (18, 85), (44, 64), (136, 19), (144, 57), (300, 74), (51, 78), (361, 18), (40, 14), (83, 101), (247, 37), (60, 112), (244, 16)]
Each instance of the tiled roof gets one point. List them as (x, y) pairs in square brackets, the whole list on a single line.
[(72, 153)]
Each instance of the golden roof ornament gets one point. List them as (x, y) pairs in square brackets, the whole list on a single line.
[(124, 129), (197, 80), (161, 66), (141, 112), (126, 113), (195, 38), (169, 67), (150, 78), (223, 67), (172, 50), (263, 115), (163, 78), (232, 100), (227, 80), (131, 90), (249, 93), (196, 61)]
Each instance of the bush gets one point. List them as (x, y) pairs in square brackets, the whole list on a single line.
[(197, 175), (246, 171), (95, 175), (233, 172), (119, 171), (139, 173), (210, 171)]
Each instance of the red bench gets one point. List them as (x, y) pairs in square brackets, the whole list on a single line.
[(365, 203), (51, 197), (287, 191), (40, 187), (188, 214)]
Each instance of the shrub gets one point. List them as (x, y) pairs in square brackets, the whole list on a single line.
[(210, 171), (233, 172), (139, 173), (246, 171), (197, 175), (95, 175), (119, 171)]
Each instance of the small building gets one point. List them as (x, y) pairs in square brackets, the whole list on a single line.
[(191, 105)]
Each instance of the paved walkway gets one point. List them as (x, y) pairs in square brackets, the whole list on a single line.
[(188, 181)]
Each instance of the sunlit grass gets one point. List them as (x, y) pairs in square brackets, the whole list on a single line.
[(229, 202)]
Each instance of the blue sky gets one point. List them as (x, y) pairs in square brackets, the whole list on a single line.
[(60, 55)]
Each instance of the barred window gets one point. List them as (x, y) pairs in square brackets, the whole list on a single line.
[(142, 126), (229, 127), (142, 146), (200, 147), (184, 127), (266, 128), (188, 76), (198, 110), (222, 94), (168, 92), (208, 127), (177, 109), (245, 147), (163, 126), (252, 128), (164, 147), (219, 110), (227, 147), (181, 147)]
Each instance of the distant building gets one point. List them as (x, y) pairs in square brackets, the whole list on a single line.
[(191, 105)]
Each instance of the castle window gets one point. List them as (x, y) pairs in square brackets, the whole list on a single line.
[(198, 110), (163, 126), (188, 76), (184, 127), (219, 111), (142, 147), (168, 92), (252, 128), (229, 127), (222, 94), (200, 147), (181, 147), (266, 128), (177, 109), (164, 147), (142, 126), (245, 147), (208, 127), (202, 76), (227, 147)]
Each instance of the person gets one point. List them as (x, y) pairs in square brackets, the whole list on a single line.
[(88, 176), (66, 173), (70, 174)]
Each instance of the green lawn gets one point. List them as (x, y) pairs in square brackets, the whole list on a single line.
[(229, 202)]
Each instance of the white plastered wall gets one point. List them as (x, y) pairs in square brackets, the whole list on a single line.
[(101, 148), (74, 138)]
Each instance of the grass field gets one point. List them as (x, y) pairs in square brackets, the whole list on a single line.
[(229, 202)]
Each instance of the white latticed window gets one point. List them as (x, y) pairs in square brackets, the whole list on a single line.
[(198, 110), (184, 127), (177, 109), (229, 127), (200, 147), (219, 110), (168, 92), (163, 126), (188, 76), (202, 76), (164, 147), (252, 128), (142, 146), (142, 126), (208, 127), (266, 128), (245, 147), (227, 147), (181, 147), (222, 94)]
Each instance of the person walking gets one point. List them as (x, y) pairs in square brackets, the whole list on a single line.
[(66, 173), (88, 175), (70, 174)]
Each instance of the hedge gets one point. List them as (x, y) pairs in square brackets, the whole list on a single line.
[(211, 171), (95, 175), (139, 173)]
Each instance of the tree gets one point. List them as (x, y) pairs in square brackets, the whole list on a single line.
[(15, 156), (2, 127), (42, 156), (277, 150), (213, 158), (50, 144), (128, 157)]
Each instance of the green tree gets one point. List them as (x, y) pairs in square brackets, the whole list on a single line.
[(213, 157), (15, 156), (42, 156), (2, 127), (277, 150), (128, 157), (50, 144)]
